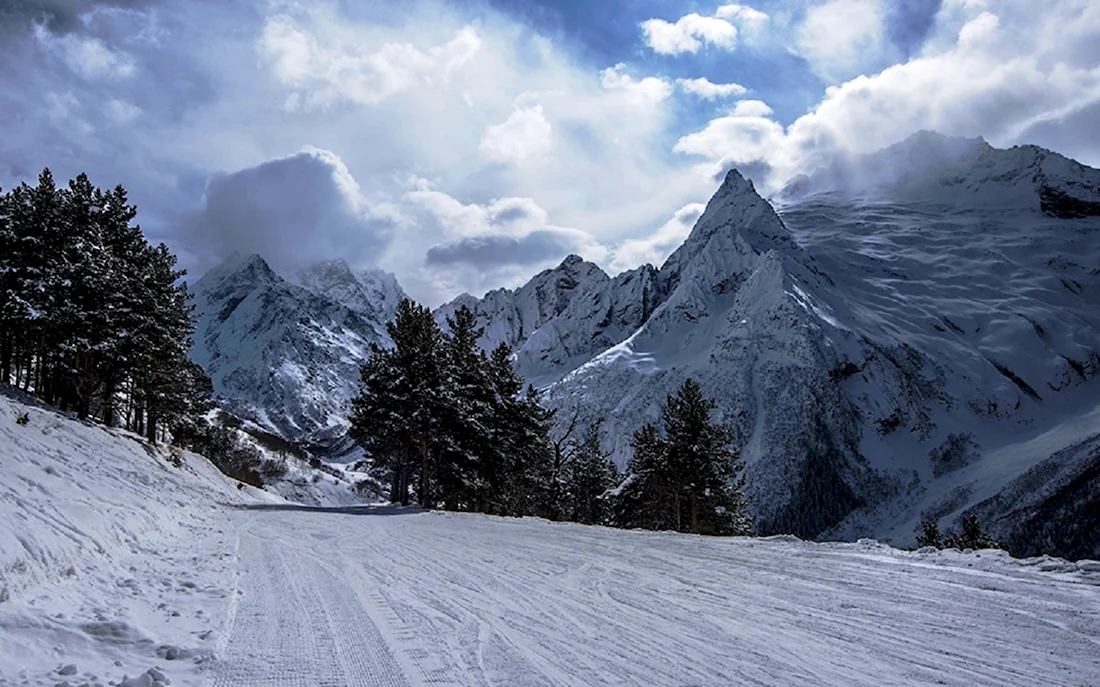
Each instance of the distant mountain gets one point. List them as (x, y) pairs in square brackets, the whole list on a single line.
[(285, 355), (915, 333), (563, 316), (930, 167), (372, 293)]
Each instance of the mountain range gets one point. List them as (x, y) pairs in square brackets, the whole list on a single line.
[(909, 334)]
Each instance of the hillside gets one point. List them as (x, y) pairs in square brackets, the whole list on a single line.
[(112, 559), (116, 562)]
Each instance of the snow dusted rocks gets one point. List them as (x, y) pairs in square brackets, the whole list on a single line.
[(563, 316), (286, 356)]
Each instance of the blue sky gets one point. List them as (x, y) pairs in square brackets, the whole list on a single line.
[(466, 144)]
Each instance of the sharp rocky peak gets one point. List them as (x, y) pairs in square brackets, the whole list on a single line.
[(252, 269)]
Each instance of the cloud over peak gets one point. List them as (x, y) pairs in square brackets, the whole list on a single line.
[(294, 210)]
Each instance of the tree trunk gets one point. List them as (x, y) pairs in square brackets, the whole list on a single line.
[(694, 513), (425, 480), (109, 401)]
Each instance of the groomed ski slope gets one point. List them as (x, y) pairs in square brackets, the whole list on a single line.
[(114, 563), (414, 598)]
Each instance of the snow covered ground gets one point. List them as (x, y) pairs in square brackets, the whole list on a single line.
[(110, 554), (112, 560)]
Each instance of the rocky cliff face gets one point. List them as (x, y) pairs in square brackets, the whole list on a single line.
[(563, 316)]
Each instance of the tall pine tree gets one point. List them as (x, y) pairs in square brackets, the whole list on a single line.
[(685, 479)]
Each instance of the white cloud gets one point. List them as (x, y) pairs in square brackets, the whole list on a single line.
[(326, 63), (88, 57), (271, 207), (751, 108), (654, 249), (688, 34), (525, 136), (743, 14), (500, 243), (121, 112), (647, 90), (840, 38), (1003, 76), (704, 88)]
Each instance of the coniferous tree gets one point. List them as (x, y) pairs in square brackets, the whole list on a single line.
[(972, 536), (643, 499), (92, 313), (590, 476), (930, 534), (471, 462), (685, 479), (378, 422), (400, 416)]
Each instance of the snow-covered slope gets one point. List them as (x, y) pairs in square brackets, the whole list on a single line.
[(471, 600), (952, 171), (285, 356), (112, 560)]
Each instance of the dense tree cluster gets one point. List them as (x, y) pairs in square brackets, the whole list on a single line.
[(92, 317), (444, 420), (971, 536)]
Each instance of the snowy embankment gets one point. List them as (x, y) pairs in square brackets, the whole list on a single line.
[(112, 560)]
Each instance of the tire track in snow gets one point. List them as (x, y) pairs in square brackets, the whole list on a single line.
[(297, 624)]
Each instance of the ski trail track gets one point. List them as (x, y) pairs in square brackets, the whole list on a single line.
[(331, 598)]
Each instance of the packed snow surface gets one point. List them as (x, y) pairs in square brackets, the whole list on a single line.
[(115, 563), (412, 598)]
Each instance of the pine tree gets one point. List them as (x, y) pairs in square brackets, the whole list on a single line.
[(400, 415), (930, 534), (378, 422), (643, 499), (972, 536), (684, 480), (471, 462), (91, 313), (590, 476)]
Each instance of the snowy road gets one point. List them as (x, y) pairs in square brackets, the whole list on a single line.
[(343, 598)]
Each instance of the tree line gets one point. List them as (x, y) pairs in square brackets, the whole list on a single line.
[(455, 426), (93, 318)]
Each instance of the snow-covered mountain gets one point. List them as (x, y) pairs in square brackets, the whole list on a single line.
[(288, 356), (904, 335), (372, 293), (563, 316), (879, 345), (952, 172)]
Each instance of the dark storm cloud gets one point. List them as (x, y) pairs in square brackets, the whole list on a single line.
[(293, 211), (497, 250)]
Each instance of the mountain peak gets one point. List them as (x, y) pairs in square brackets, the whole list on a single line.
[(736, 184), (252, 268)]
